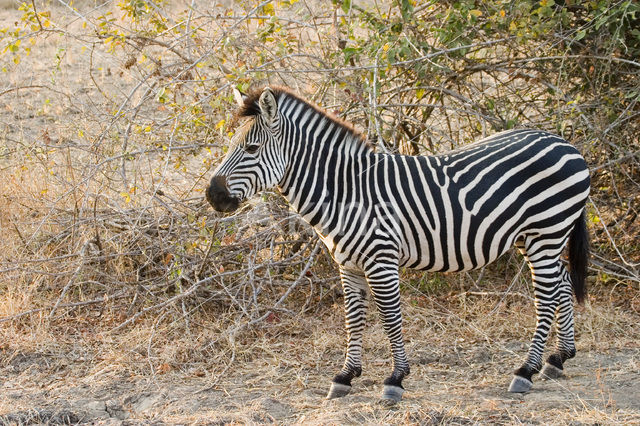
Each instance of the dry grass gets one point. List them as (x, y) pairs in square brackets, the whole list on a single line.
[(280, 370)]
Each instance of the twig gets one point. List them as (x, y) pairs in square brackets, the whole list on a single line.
[(72, 280), (167, 302), (35, 12), (103, 299)]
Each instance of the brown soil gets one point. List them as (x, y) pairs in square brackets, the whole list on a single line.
[(281, 378)]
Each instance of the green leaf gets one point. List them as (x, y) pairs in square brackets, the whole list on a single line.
[(350, 52), (406, 9)]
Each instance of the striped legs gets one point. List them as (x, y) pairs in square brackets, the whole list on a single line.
[(566, 347), (355, 287), (553, 300), (383, 282)]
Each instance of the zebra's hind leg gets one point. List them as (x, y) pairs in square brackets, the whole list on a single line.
[(354, 285), (545, 275), (566, 348)]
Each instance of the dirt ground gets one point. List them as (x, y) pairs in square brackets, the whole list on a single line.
[(284, 380)]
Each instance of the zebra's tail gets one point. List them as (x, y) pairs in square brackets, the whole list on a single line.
[(579, 258)]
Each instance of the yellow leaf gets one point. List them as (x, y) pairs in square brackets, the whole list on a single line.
[(16, 59), (475, 12), (84, 24), (46, 23), (220, 124), (80, 133), (126, 196), (268, 9)]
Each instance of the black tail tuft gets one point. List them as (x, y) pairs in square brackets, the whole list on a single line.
[(579, 258)]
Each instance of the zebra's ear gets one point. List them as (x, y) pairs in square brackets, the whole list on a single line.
[(240, 97), (268, 105)]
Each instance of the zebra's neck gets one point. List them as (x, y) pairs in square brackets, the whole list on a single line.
[(325, 158)]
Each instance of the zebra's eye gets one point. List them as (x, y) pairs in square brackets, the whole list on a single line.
[(252, 149)]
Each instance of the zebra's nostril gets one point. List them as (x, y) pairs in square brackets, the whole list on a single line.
[(219, 197), (219, 184), (217, 187)]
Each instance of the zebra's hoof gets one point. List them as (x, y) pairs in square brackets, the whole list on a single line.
[(338, 390), (391, 395), (520, 385), (550, 371)]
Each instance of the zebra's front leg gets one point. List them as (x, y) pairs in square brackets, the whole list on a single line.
[(384, 284), (354, 286)]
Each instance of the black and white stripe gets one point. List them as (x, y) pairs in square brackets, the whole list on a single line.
[(452, 212)]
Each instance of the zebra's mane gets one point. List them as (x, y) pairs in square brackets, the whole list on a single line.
[(251, 108)]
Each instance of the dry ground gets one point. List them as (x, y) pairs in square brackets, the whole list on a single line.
[(280, 373)]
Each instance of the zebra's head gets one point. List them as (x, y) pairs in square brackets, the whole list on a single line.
[(255, 161)]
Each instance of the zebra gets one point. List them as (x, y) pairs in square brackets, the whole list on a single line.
[(458, 211)]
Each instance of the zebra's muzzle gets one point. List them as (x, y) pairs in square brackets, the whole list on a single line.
[(219, 197)]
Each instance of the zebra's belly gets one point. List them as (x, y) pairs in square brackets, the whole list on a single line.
[(450, 258), (424, 254)]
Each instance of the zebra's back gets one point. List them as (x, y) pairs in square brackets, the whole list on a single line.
[(463, 209)]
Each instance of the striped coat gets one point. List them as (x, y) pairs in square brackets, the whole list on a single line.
[(452, 212)]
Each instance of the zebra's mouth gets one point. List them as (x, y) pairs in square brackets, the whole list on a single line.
[(225, 206), (219, 197)]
